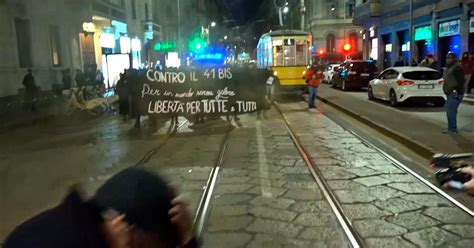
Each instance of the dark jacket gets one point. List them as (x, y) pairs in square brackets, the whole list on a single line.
[(453, 79), (399, 63), (73, 223), (435, 65)]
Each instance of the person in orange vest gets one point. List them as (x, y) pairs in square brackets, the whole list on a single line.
[(313, 77)]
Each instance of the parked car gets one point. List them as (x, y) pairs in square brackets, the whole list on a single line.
[(354, 75), (329, 72), (401, 84)]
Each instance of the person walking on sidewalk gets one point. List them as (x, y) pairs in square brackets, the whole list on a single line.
[(400, 62), (313, 78), (467, 66), (453, 87), (30, 91), (433, 64)]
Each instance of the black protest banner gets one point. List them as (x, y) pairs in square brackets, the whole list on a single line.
[(204, 92)]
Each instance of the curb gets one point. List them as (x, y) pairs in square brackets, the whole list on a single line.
[(418, 148), (468, 102)]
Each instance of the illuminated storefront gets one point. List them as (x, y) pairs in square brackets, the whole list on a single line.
[(449, 39), (423, 41)]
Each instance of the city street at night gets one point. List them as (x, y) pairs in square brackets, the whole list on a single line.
[(236, 123)]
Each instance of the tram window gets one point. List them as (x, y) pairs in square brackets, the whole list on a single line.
[(301, 51), (278, 58), (289, 42)]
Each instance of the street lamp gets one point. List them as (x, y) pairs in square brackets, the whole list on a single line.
[(285, 10), (225, 37), (213, 24)]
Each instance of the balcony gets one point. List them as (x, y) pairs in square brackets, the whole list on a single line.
[(366, 10)]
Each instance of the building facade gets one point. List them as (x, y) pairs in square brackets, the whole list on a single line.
[(412, 29), (331, 24), (52, 36)]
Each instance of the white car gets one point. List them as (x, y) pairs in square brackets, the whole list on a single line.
[(400, 84), (329, 72)]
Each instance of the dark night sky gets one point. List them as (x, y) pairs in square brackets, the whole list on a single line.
[(244, 11)]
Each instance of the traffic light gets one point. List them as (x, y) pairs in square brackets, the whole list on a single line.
[(347, 47), (197, 44), (321, 52)]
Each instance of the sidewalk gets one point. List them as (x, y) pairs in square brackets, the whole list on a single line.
[(12, 113), (469, 99), (419, 134)]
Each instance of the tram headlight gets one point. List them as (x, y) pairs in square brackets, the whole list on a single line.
[(304, 72), (275, 73)]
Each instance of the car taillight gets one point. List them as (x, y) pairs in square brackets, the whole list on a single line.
[(405, 82), (441, 82), (352, 73)]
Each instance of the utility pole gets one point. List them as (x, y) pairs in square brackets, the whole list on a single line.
[(303, 11), (179, 26), (411, 33)]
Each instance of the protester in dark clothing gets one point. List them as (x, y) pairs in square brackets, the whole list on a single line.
[(313, 77), (453, 87), (67, 79), (132, 77), (30, 91), (400, 62), (134, 208), (80, 78), (433, 64), (413, 63), (121, 89), (99, 78), (467, 67)]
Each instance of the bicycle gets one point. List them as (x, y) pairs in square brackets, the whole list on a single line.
[(84, 100)]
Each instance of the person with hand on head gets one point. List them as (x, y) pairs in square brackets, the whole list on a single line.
[(469, 185), (135, 208)]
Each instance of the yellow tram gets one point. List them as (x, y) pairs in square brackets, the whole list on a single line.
[(287, 52)]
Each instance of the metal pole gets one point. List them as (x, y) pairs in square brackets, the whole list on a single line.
[(411, 32), (303, 12), (179, 26), (280, 15)]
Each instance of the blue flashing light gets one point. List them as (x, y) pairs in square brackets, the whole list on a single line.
[(455, 45)]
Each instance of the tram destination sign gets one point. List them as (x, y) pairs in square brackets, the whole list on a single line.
[(204, 92)]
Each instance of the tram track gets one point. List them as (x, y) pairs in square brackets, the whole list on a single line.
[(351, 233)]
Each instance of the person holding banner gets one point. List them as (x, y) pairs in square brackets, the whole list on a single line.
[(313, 77)]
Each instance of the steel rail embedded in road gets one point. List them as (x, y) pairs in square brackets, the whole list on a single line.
[(152, 152), (354, 238), (405, 168), (205, 202)]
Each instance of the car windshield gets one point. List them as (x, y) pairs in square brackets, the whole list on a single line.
[(422, 75)]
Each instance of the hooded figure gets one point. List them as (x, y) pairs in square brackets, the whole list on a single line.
[(131, 209)]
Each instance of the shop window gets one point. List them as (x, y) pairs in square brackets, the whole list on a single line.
[(331, 43), (331, 8), (350, 5), (134, 9), (23, 42), (55, 45), (354, 40), (146, 12)]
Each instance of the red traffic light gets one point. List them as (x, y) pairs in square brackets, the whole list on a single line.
[(347, 47), (321, 52)]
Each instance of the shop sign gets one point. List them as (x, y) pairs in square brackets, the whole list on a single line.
[(164, 46), (423, 33), (449, 28), (471, 25)]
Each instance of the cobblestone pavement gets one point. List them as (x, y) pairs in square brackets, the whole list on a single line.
[(265, 195), (39, 164), (388, 207)]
